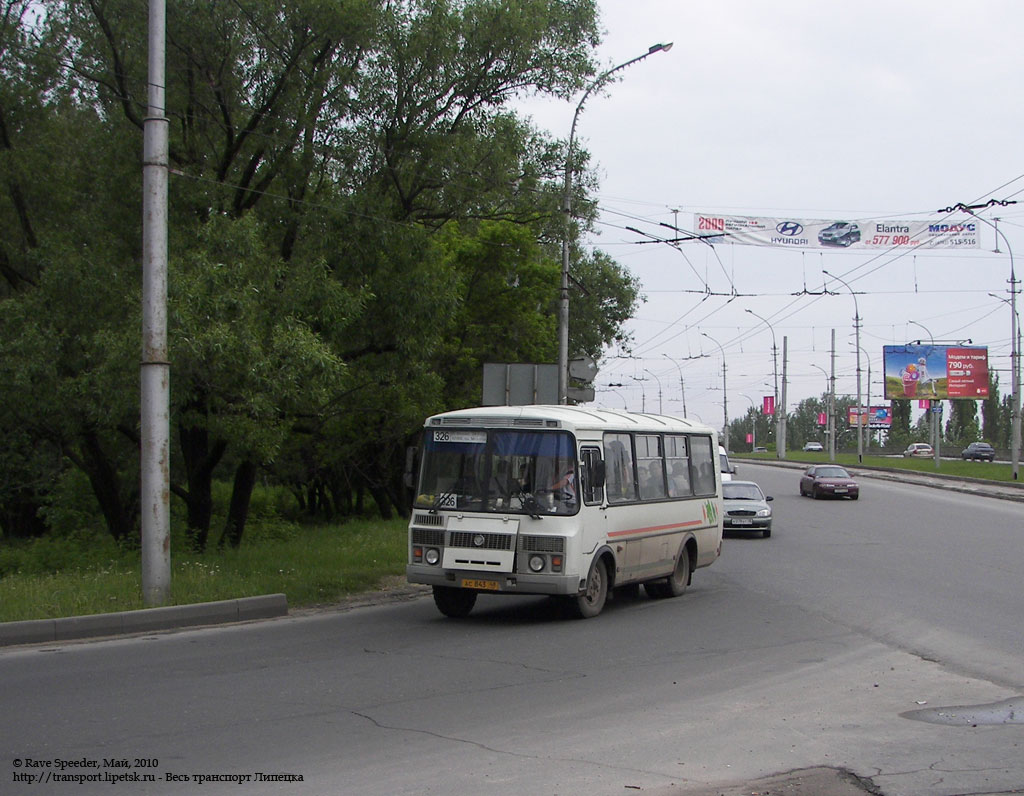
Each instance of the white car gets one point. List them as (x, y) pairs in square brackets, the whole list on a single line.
[(815, 447)]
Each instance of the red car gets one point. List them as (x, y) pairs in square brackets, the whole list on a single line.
[(828, 480)]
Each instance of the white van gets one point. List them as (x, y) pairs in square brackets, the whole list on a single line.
[(728, 468)]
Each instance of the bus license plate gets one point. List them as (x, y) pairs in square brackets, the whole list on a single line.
[(486, 585)]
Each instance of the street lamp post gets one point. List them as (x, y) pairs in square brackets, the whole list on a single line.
[(682, 387), (856, 328), (1015, 347), (936, 435), (661, 410), (830, 408), (725, 401), (775, 371), (563, 307), (867, 403), (643, 394), (753, 422), (1015, 378)]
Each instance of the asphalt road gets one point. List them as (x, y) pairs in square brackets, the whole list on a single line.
[(879, 638)]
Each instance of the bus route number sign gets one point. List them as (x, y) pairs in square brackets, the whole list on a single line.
[(473, 437)]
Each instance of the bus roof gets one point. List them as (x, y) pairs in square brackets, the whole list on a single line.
[(565, 417)]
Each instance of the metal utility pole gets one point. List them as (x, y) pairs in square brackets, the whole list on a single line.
[(780, 443), (155, 462), (1015, 353)]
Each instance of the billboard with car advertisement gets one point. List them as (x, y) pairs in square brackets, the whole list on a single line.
[(935, 372), (802, 233)]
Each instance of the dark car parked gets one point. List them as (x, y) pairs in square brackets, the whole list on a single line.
[(979, 450), (841, 233), (828, 480)]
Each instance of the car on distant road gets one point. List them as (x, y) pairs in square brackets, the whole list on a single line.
[(745, 508), (830, 480), (815, 447), (841, 233), (979, 450), (919, 450)]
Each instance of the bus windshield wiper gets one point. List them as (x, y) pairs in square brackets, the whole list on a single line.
[(530, 504)]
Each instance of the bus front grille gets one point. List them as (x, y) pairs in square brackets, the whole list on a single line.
[(482, 541), (542, 544), (428, 536)]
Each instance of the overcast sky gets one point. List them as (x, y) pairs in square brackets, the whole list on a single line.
[(872, 110)]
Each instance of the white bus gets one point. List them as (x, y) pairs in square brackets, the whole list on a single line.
[(562, 500)]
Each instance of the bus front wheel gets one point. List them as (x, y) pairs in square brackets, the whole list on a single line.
[(591, 601), (453, 602)]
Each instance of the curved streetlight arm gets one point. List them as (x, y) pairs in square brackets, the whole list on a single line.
[(725, 394), (775, 372), (563, 305)]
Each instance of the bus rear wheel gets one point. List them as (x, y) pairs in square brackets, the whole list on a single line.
[(591, 601), (453, 602), (676, 583)]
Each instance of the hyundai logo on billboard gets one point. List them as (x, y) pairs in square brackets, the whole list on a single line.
[(790, 232)]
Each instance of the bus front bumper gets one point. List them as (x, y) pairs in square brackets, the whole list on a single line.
[(494, 582)]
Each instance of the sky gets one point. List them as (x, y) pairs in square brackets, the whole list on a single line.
[(800, 109)]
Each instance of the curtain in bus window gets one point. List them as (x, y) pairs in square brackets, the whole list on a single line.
[(650, 467), (590, 460), (704, 463), (677, 458), (618, 464)]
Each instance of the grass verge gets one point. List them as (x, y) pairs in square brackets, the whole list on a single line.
[(314, 565), (992, 471)]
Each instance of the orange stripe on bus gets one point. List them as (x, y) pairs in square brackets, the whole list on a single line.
[(689, 524)]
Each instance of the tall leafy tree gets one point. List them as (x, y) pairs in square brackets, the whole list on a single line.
[(993, 429), (962, 426)]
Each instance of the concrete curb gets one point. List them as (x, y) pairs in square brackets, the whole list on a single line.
[(36, 631)]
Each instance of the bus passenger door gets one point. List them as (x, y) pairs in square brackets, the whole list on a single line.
[(593, 518)]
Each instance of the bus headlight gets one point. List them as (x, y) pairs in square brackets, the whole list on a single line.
[(432, 556), (536, 563)]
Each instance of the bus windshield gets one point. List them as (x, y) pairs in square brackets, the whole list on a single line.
[(501, 471)]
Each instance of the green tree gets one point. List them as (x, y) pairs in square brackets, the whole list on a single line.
[(993, 429), (802, 423), (962, 426), (899, 431)]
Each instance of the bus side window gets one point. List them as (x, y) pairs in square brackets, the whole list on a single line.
[(704, 463), (592, 477), (678, 459), (618, 456)]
